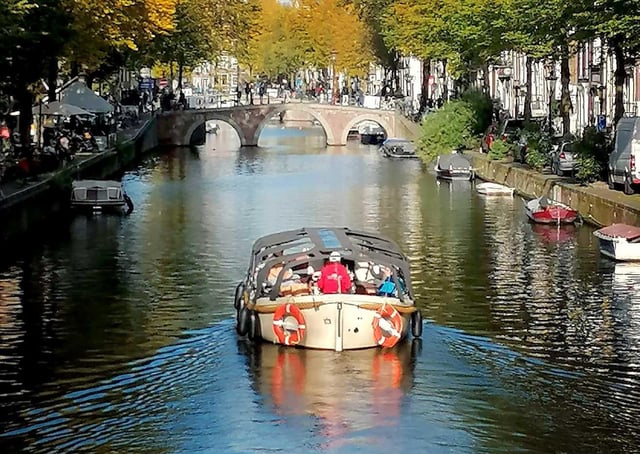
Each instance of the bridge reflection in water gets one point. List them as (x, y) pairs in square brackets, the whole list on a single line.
[(345, 392)]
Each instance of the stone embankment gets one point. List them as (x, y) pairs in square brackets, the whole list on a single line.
[(597, 204)]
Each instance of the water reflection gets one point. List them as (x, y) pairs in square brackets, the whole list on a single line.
[(345, 393)]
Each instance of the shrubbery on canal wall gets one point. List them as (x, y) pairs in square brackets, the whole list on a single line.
[(458, 123)]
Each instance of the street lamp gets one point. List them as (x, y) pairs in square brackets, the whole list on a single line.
[(551, 87), (334, 88)]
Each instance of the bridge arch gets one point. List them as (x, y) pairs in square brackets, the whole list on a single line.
[(202, 120), (293, 107), (372, 116)]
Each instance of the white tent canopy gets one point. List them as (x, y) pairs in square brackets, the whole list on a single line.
[(78, 94)]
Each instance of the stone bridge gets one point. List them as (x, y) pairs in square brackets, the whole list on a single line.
[(185, 127)]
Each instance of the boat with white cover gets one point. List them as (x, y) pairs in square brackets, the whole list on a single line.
[(327, 288), (97, 195), (619, 242), (489, 188)]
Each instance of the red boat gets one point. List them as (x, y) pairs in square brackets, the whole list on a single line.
[(546, 211)]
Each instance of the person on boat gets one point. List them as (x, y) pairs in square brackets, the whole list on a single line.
[(334, 277)]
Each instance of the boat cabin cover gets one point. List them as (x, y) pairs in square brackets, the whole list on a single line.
[(296, 250)]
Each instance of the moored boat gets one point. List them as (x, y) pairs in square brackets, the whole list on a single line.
[(619, 242), (96, 195), (454, 166), (489, 188), (398, 148), (327, 288), (546, 211)]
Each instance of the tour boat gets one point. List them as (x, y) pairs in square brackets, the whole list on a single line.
[(619, 242), (398, 148), (454, 167), (97, 195), (546, 211), (327, 288), (489, 188)]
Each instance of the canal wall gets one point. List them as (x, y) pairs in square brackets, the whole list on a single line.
[(597, 204), (38, 203)]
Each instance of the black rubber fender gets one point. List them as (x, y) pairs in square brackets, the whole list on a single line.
[(255, 330), (129, 203), (416, 324), (237, 299), (242, 327)]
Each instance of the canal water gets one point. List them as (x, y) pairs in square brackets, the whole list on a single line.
[(117, 333)]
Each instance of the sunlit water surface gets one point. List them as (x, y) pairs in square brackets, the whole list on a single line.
[(116, 333)]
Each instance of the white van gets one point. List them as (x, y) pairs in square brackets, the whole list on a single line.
[(624, 160)]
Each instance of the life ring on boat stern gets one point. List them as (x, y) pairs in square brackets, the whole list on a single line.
[(387, 326), (284, 334)]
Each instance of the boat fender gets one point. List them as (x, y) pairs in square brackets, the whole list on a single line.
[(242, 327), (387, 326), (237, 299), (255, 331), (129, 203), (284, 335), (416, 324)]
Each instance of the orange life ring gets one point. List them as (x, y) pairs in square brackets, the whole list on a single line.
[(283, 335), (387, 326)]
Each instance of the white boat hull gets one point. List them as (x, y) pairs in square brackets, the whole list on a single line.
[(494, 189), (619, 249), (333, 322)]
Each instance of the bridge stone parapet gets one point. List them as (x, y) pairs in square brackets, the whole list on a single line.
[(178, 127)]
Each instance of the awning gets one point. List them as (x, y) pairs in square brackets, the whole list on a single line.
[(58, 109)]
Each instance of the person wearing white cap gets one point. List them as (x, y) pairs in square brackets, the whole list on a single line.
[(334, 277)]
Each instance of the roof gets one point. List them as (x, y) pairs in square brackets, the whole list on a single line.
[(305, 245), (629, 232), (96, 184), (78, 94), (56, 108), (453, 160)]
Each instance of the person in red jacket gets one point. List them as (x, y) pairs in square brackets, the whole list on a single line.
[(334, 277)]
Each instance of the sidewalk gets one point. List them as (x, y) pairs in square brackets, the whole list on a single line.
[(16, 188)]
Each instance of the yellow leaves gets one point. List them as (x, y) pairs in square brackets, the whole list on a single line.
[(100, 25)]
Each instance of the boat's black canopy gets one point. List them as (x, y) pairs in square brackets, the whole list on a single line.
[(314, 245)]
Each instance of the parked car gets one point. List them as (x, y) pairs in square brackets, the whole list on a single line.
[(562, 159), (623, 160)]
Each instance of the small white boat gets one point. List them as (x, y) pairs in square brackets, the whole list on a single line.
[(211, 127), (620, 242), (489, 188), (96, 195), (454, 166), (327, 288)]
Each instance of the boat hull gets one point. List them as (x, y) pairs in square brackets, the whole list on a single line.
[(333, 322), (553, 215), (455, 174), (619, 249), (494, 189)]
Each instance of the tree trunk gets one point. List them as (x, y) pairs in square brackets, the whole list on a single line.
[(75, 69), (426, 73), (486, 83), (565, 99), (528, 86), (180, 71), (619, 76), (445, 81), (171, 76), (25, 100), (52, 78)]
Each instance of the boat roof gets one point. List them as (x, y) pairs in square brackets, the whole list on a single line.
[(453, 160), (396, 141), (629, 232), (314, 245), (96, 184)]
